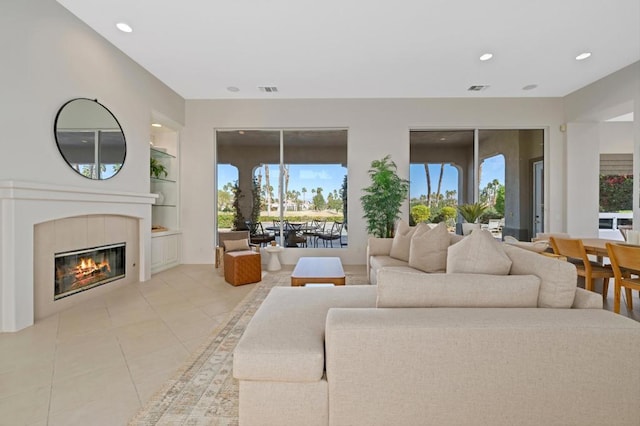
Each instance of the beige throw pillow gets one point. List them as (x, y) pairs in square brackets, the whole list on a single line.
[(402, 241), (479, 253), (236, 245), (558, 279), (428, 249)]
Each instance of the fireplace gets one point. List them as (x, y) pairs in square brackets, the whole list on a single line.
[(80, 270)]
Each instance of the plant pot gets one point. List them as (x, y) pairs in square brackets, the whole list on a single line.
[(467, 228)]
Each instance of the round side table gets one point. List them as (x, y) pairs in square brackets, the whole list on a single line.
[(274, 261)]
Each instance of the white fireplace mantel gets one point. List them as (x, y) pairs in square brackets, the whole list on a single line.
[(25, 204)]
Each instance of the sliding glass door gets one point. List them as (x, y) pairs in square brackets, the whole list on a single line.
[(287, 179), (500, 168)]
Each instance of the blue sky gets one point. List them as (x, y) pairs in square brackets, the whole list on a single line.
[(311, 176), (492, 168), (329, 176)]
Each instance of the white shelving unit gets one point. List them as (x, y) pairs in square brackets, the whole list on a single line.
[(165, 213)]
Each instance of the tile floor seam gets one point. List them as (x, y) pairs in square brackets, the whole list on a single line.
[(153, 308), (126, 362), (53, 368)]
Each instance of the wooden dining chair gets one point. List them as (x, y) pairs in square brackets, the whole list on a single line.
[(625, 261), (574, 250)]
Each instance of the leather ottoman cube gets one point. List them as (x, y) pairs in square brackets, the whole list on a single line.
[(242, 267)]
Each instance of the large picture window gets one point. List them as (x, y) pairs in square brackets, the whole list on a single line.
[(500, 168), (287, 186)]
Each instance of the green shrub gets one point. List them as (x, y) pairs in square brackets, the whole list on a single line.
[(420, 213), (225, 220)]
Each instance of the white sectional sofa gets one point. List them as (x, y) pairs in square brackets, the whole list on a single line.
[(397, 252), (525, 348)]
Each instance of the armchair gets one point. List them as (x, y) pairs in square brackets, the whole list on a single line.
[(235, 236)]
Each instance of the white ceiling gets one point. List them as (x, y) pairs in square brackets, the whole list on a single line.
[(370, 49)]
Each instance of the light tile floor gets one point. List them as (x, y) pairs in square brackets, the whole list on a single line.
[(98, 363)]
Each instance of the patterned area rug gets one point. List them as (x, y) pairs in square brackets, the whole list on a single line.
[(203, 391)]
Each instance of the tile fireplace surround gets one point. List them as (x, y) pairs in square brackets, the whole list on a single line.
[(100, 216)]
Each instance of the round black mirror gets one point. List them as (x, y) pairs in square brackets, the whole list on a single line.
[(90, 138)]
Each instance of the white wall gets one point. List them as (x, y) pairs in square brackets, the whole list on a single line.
[(585, 109), (376, 128), (582, 179), (50, 57), (616, 137)]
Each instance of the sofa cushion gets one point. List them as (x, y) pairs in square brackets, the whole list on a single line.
[(402, 241), (284, 340), (236, 245), (428, 249), (558, 279), (378, 262), (478, 253), (400, 289)]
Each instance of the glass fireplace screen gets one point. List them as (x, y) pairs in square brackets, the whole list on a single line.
[(80, 270)]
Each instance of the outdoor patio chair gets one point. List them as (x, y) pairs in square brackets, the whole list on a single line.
[(334, 234), (257, 234), (311, 230), (295, 236), (494, 226)]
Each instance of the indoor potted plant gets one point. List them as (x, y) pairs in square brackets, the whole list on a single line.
[(471, 213), (383, 198), (158, 169)]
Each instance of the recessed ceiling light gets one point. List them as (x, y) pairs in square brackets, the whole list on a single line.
[(125, 28), (443, 139), (486, 56), (233, 89), (156, 125), (241, 132), (530, 87), (582, 56)]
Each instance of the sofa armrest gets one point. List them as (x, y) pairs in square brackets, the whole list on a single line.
[(586, 300), (379, 246), (284, 340)]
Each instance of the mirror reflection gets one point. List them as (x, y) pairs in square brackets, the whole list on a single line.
[(90, 139)]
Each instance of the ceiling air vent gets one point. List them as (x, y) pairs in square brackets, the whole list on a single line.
[(478, 88), (268, 89)]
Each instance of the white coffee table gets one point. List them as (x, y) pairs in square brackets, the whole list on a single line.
[(318, 270)]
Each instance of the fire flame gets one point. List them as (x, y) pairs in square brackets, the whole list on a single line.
[(88, 266)]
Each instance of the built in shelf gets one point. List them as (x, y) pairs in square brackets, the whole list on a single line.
[(162, 180), (160, 154)]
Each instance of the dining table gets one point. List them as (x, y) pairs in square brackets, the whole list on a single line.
[(598, 246)]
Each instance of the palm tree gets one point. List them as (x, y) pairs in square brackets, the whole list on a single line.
[(268, 187), (426, 169), (440, 181), (285, 172), (304, 191)]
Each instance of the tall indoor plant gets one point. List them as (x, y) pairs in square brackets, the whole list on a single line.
[(383, 198)]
